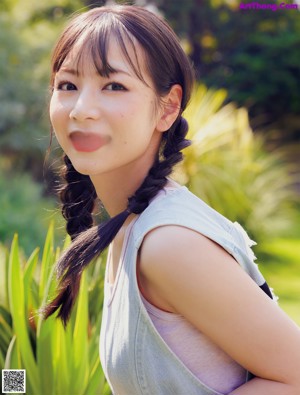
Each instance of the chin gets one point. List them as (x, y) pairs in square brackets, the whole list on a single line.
[(89, 169), (83, 168), (84, 172)]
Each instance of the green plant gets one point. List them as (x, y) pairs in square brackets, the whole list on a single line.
[(24, 210), (282, 272), (230, 169), (252, 54), (57, 360)]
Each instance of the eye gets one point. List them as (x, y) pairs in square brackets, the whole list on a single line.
[(115, 86), (66, 86)]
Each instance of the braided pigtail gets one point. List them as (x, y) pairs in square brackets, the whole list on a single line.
[(78, 199), (173, 142), (91, 243), (145, 40)]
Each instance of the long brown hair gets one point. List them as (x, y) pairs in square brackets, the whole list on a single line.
[(167, 65)]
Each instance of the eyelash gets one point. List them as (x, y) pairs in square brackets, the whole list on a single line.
[(62, 83), (117, 85)]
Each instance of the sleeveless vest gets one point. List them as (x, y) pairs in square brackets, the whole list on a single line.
[(134, 357)]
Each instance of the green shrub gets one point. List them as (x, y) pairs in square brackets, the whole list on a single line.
[(231, 170), (57, 361), (252, 54), (24, 211)]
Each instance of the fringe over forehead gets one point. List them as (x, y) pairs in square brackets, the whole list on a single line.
[(91, 36), (163, 57)]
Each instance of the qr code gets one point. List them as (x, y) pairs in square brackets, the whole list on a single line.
[(13, 381)]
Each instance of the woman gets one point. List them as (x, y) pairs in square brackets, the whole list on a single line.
[(184, 312)]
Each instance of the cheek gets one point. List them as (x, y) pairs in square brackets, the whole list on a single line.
[(53, 112), (58, 121), (57, 112)]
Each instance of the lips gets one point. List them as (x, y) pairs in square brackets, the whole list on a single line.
[(86, 141)]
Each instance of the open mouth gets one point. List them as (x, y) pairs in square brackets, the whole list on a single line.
[(86, 141)]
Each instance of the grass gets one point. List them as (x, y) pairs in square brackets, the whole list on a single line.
[(282, 271), (57, 361)]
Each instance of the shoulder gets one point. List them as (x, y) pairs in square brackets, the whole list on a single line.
[(186, 273), (180, 230), (175, 257), (183, 210), (180, 207), (171, 241)]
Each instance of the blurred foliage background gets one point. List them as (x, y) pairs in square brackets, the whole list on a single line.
[(244, 118)]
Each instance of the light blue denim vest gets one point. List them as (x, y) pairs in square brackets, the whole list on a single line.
[(134, 357)]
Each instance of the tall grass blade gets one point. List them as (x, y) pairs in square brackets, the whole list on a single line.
[(5, 329), (62, 359), (13, 356), (30, 302), (96, 379), (3, 277), (17, 308), (2, 360), (80, 348), (44, 356), (46, 330), (47, 263)]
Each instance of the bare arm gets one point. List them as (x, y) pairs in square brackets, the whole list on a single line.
[(259, 386), (186, 273)]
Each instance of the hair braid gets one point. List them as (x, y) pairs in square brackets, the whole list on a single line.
[(174, 142), (78, 198), (92, 242), (167, 65)]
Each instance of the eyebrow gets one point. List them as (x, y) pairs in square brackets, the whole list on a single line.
[(78, 73), (69, 71)]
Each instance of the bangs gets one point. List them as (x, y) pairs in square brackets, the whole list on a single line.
[(92, 42)]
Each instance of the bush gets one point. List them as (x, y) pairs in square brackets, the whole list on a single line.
[(57, 361), (231, 170), (253, 54), (24, 210)]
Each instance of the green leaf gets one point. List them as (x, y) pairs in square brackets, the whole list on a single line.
[(44, 355), (13, 356), (62, 358), (67, 360), (47, 263), (47, 269), (2, 360), (30, 266), (94, 341), (45, 335), (5, 329), (28, 277), (3, 276), (17, 307), (80, 348), (5, 315), (229, 167), (96, 379)]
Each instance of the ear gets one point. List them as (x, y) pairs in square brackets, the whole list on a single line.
[(171, 104)]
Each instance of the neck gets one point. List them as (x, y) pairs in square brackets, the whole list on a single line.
[(114, 188)]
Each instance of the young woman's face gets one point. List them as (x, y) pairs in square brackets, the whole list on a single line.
[(104, 124)]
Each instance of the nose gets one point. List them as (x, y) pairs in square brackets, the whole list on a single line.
[(85, 107)]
